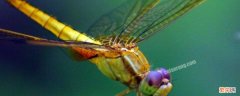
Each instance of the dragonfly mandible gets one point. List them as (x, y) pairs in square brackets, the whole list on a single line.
[(112, 40)]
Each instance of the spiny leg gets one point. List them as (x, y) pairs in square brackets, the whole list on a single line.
[(139, 94), (124, 92)]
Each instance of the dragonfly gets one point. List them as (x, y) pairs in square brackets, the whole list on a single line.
[(111, 43)]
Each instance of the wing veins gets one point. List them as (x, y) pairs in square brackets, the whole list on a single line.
[(168, 20), (41, 41)]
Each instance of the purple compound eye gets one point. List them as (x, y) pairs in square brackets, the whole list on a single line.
[(153, 81), (164, 73), (154, 78)]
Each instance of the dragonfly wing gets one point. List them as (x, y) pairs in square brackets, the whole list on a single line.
[(79, 50), (116, 21), (8, 35), (162, 15), (138, 19)]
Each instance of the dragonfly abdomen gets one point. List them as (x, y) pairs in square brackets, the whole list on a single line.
[(59, 29), (128, 68)]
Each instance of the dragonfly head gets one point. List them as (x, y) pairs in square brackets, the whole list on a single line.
[(156, 82)]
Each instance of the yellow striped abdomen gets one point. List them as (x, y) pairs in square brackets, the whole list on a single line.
[(59, 29)]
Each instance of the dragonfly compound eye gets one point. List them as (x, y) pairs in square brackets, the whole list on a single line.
[(154, 79), (164, 73)]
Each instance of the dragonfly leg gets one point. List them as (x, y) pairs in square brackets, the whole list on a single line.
[(124, 92), (139, 94)]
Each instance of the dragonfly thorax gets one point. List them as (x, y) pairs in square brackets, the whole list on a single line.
[(123, 47), (129, 67), (118, 43)]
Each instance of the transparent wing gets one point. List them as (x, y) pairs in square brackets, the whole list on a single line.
[(15, 37), (115, 22), (138, 19), (162, 15)]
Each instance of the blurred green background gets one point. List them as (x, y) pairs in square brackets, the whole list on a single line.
[(209, 34)]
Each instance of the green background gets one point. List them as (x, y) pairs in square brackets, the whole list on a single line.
[(209, 34)]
